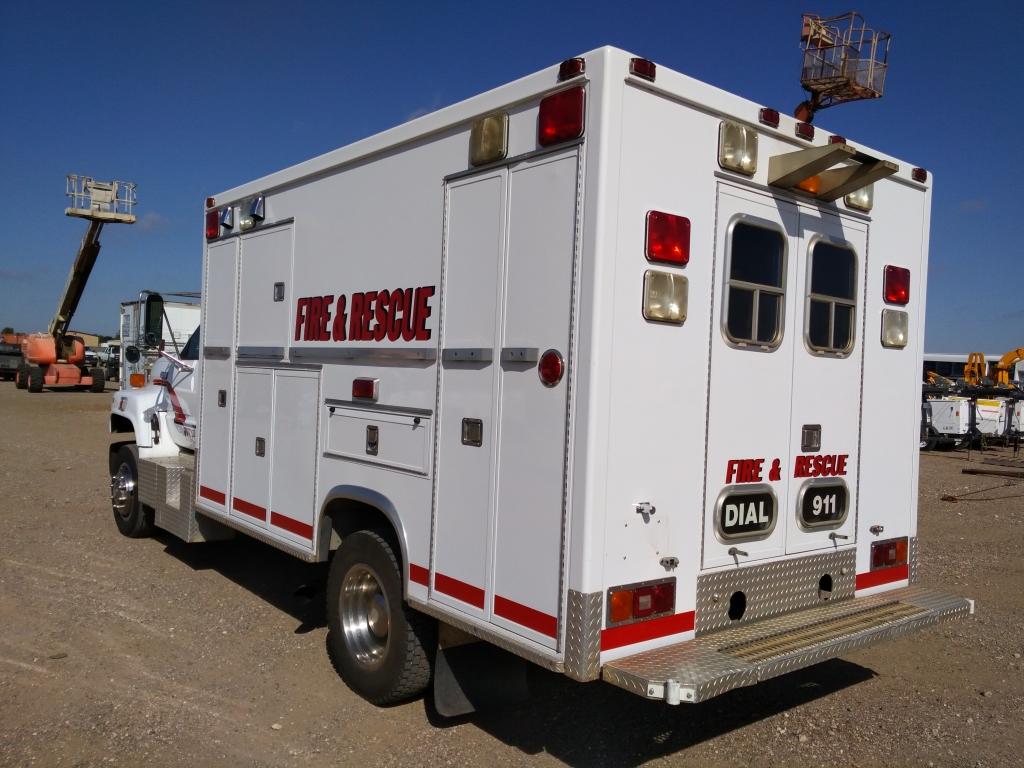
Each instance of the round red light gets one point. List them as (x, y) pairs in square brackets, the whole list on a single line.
[(551, 368)]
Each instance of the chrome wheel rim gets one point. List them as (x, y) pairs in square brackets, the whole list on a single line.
[(122, 490), (365, 615)]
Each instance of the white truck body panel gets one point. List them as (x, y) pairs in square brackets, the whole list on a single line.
[(393, 264)]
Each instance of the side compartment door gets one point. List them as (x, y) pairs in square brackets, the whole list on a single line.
[(250, 455), (471, 298), (754, 332), (217, 401), (532, 438), (827, 364), (293, 478)]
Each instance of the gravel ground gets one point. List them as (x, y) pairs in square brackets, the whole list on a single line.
[(153, 652)]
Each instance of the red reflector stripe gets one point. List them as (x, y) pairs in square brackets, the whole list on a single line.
[(882, 576), (246, 508), (526, 616), (419, 574), (460, 590), (297, 527), (616, 637), (212, 495)]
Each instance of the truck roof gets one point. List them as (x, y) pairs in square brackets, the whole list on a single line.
[(674, 84)]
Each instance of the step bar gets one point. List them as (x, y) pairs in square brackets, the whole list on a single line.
[(699, 669)]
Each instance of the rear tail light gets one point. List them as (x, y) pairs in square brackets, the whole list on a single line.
[(643, 68), (212, 224), (634, 602), (561, 117), (668, 238), (137, 380), (888, 554), (897, 285)]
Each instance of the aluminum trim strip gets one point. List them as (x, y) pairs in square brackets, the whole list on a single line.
[(364, 354), (467, 354), (268, 352), (219, 353)]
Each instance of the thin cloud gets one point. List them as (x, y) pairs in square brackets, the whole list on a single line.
[(151, 221), (19, 275)]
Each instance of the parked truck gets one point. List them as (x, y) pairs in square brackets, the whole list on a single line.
[(495, 366)]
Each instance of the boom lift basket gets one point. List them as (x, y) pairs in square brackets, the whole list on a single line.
[(843, 59)]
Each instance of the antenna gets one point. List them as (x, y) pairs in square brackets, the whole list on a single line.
[(843, 60)]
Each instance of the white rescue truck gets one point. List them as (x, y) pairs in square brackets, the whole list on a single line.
[(495, 364)]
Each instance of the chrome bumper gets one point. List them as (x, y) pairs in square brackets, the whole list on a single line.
[(712, 664)]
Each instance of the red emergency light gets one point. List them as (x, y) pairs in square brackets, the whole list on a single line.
[(897, 285), (668, 238), (364, 389), (561, 117), (212, 224)]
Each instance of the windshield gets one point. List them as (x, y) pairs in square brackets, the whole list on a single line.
[(191, 350)]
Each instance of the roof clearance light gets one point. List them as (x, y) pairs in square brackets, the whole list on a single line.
[(737, 148), (895, 328), (897, 285), (668, 238), (862, 199), (210, 202), (488, 139), (769, 117), (836, 139), (643, 68), (805, 131), (212, 224), (919, 175), (561, 117), (665, 297), (571, 68)]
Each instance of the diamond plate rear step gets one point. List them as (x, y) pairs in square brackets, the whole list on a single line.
[(702, 668)]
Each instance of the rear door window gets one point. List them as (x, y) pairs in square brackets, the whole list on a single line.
[(831, 298), (755, 294)]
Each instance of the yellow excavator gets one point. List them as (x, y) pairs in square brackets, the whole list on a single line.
[(975, 369)]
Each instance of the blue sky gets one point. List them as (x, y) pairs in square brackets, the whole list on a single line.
[(188, 99)]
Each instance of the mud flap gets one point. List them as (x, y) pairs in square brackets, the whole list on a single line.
[(477, 676)]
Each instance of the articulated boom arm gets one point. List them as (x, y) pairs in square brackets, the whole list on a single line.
[(1003, 366), (77, 278)]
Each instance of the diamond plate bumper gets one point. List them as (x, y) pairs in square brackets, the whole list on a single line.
[(702, 668)]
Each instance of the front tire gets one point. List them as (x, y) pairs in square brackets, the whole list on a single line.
[(133, 518), (380, 646), (35, 378)]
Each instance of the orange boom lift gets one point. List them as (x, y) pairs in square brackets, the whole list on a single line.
[(56, 358)]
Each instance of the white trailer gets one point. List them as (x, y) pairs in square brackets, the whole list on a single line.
[(180, 319), (495, 365)]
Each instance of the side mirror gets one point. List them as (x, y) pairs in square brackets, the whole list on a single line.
[(152, 331), (131, 354)]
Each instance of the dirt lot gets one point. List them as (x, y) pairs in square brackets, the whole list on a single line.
[(152, 652)]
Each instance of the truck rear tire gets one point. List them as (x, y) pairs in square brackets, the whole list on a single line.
[(380, 646), (133, 518), (21, 377), (99, 381), (35, 378)]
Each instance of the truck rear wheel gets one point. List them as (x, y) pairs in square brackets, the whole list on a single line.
[(99, 380), (380, 646), (133, 518), (21, 377), (35, 378)]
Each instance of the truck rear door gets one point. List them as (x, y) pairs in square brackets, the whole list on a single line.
[(784, 401)]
